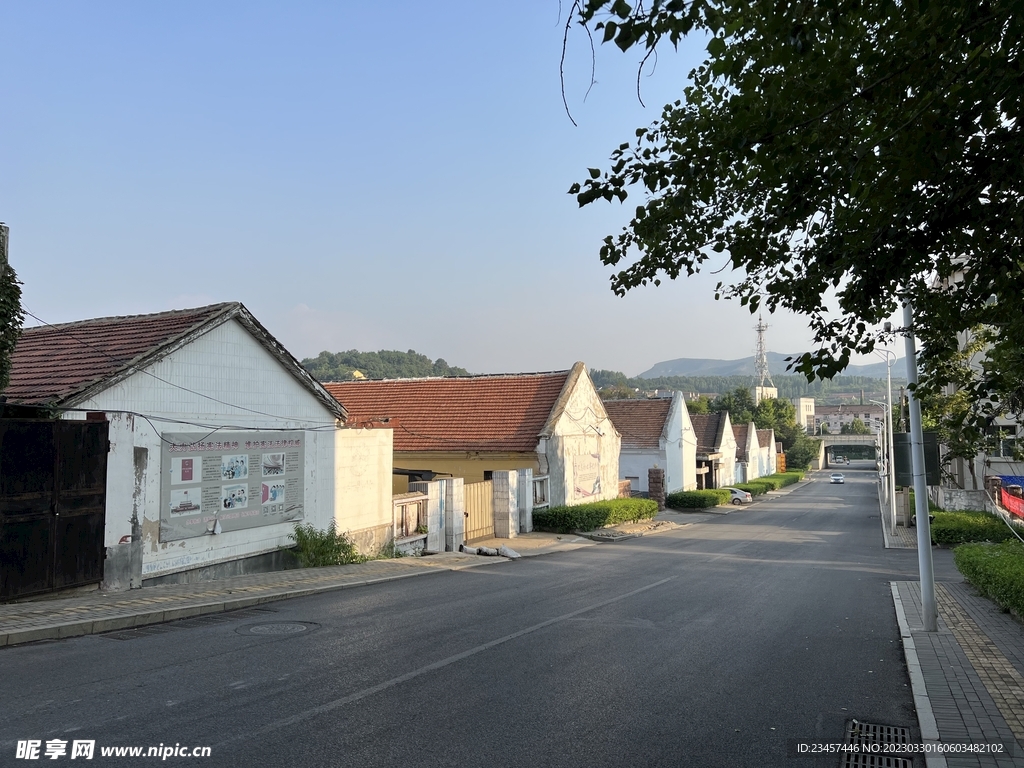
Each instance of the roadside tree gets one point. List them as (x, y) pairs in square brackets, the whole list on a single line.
[(840, 157)]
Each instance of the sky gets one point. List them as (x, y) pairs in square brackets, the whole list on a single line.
[(359, 175)]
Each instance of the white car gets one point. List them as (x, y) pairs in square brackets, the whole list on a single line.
[(837, 477), (738, 496)]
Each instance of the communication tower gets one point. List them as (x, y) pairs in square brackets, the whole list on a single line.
[(761, 372)]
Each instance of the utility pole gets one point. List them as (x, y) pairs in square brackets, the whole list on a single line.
[(924, 529)]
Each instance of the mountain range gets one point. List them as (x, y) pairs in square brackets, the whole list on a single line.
[(690, 366)]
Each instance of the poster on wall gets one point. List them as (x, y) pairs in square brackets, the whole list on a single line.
[(586, 475), (240, 480)]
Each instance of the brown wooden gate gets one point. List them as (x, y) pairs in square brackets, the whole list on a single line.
[(53, 477), (479, 501)]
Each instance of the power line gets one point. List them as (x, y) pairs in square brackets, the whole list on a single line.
[(162, 380)]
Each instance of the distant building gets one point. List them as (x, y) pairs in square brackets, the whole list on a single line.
[(804, 412), (834, 417)]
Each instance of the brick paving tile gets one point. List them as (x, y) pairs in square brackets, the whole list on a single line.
[(969, 681)]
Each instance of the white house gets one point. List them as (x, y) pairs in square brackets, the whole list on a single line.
[(747, 452), (716, 450), (219, 440), (552, 423), (656, 432), (767, 453)]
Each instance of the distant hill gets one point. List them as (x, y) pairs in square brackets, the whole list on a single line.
[(689, 366), (385, 364)]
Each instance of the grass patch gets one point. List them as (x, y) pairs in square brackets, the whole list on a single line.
[(997, 570), (952, 528), (587, 517), (697, 499)]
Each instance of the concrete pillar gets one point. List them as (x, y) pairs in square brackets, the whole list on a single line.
[(525, 481), (656, 486), (506, 503), (454, 514)]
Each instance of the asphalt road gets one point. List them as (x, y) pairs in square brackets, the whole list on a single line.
[(720, 644)]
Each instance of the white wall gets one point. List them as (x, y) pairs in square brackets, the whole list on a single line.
[(582, 428), (228, 364), (728, 450), (362, 478), (688, 447), (635, 463)]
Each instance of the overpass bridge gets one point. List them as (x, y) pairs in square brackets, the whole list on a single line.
[(832, 445)]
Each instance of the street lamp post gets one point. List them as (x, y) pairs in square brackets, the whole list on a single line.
[(924, 535), (890, 474), (890, 361)]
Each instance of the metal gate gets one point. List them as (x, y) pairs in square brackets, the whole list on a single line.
[(479, 510), (53, 477)]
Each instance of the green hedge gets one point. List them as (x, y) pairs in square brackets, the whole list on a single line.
[(997, 570), (761, 485), (697, 499), (587, 517), (755, 487), (959, 527)]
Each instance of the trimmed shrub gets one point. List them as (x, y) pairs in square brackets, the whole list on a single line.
[(761, 485), (997, 570), (959, 527), (315, 548), (587, 517), (754, 487), (697, 499)]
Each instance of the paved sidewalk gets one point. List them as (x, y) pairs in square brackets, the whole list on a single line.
[(96, 612), (968, 677)]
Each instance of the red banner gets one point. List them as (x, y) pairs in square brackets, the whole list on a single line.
[(1012, 503)]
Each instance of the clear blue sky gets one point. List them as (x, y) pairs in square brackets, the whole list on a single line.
[(360, 175)]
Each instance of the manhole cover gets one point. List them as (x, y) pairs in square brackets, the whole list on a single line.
[(876, 746), (278, 628)]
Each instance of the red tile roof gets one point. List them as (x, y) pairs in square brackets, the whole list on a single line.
[(764, 438), (477, 413), (640, 422), (53, 362), (67, 363)]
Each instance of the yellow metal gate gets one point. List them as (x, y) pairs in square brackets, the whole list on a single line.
[(479, 510)]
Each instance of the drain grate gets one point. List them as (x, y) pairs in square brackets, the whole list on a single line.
[(873, 736), (209, 620)]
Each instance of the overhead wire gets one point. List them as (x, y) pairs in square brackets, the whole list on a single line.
[(163, 380)]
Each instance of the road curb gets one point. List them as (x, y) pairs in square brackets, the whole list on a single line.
[(923, 705), (163, 615)]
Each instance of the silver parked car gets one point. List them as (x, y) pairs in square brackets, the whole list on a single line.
[(738, 496)]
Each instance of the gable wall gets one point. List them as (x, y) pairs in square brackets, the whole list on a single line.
[(228, 364), (576, 433)]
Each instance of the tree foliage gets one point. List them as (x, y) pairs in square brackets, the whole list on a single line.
[(12, 316), (385, 364), (855, 427), (788, 386), (873, 150)]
